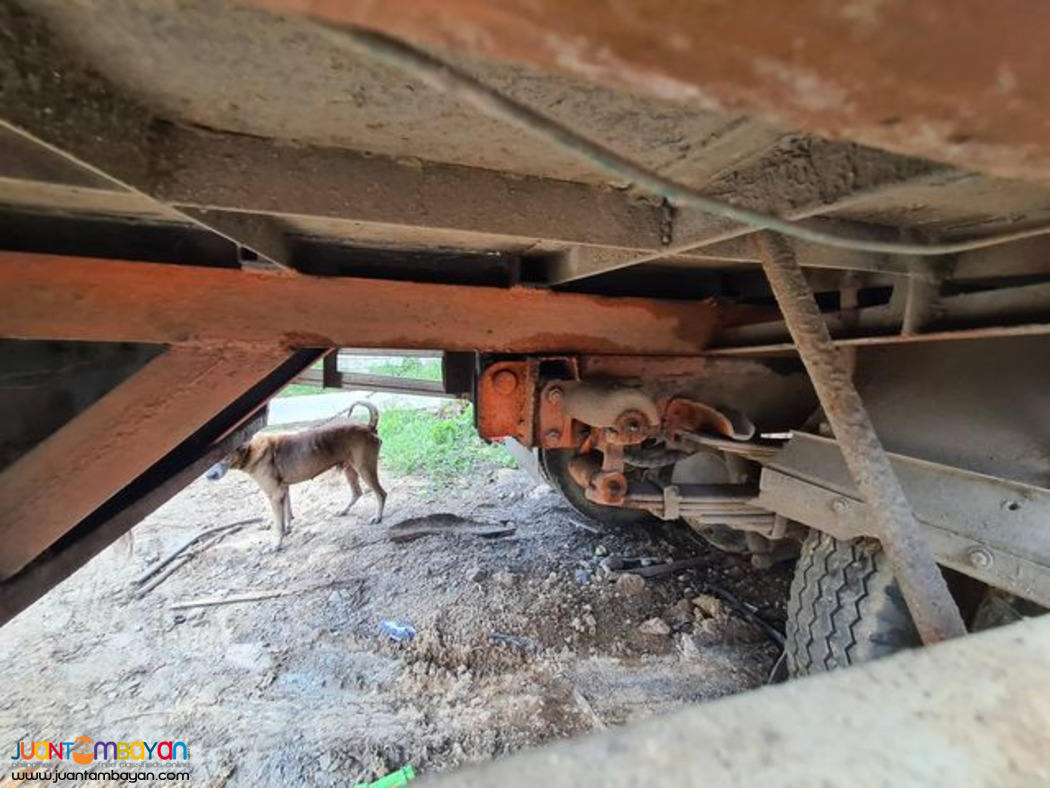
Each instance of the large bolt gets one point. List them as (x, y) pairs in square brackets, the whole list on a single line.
[(505, 381), (839, 505), (554, 395), (980, 557), (553, 436)]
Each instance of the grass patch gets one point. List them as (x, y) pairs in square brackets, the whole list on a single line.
[(302, 389), (440, 445), (410, 367)]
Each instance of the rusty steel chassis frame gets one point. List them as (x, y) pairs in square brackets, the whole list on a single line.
[(228, 336), (234, 338)]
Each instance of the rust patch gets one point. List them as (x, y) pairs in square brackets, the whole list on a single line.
[(299, 339), (960, 81)]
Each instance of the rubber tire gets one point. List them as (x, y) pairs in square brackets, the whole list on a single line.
[(554, 465), (844, 608)]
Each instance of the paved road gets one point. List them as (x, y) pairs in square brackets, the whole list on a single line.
[(314, 407)]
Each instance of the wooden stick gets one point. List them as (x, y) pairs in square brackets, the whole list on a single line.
[(211, 601), (161, 564), (255, 595)]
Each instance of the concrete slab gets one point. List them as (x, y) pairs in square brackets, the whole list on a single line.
[(316, 407)]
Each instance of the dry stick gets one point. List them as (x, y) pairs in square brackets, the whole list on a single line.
[(161, 564), (172, 569), (186, 558), (229, 600), (254, 596), (931, 606), (585, 527)]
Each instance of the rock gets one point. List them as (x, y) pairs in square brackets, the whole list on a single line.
[(680, 614), (583, 577), (739, 631), (601, 550), (539, 491), (630, 584), (688, 646), (590, 622), (711, 606), (476, 574), (656, 627), (503, 578), (249, 656), (708, 632), (504, 475)]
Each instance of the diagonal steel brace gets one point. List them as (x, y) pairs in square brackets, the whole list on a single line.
[(932, 608)]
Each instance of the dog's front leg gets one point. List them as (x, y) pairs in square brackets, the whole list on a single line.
[(280, 505)]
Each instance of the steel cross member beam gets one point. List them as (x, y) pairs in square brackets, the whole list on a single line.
[(56, 297), (934, 611)]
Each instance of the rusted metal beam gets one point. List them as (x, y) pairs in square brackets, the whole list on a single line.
[(960, 81), (198, 170), (52, 297), (79, 467), (793, 186), (935, 614)]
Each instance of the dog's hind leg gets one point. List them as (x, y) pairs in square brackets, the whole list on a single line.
[(370, 472), (355, 488)]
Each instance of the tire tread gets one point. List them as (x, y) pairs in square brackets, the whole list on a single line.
[(844, 607)]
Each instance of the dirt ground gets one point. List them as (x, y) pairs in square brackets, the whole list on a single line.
[(522, 638)]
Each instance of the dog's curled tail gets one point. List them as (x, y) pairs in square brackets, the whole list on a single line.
[(373, 413)]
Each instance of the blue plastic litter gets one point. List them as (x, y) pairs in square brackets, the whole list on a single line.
[(401, 631)]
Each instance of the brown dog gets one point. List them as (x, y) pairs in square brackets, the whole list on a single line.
[(277, 460)]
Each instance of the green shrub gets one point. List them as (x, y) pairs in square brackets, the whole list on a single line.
[(440, 445), (410, 367)]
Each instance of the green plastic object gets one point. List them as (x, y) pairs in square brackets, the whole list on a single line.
[(401, 777)]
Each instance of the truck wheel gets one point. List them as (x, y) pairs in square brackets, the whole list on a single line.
[(845, 607), (554, 464)]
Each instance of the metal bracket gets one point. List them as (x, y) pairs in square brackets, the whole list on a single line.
[(989, 528), (672, 502)]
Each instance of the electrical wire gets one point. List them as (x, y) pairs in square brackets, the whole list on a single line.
[(447, 78)]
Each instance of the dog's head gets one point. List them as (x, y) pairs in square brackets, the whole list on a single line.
[(235, 460)]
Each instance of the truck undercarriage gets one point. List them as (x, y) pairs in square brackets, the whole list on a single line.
[(199, 201)]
